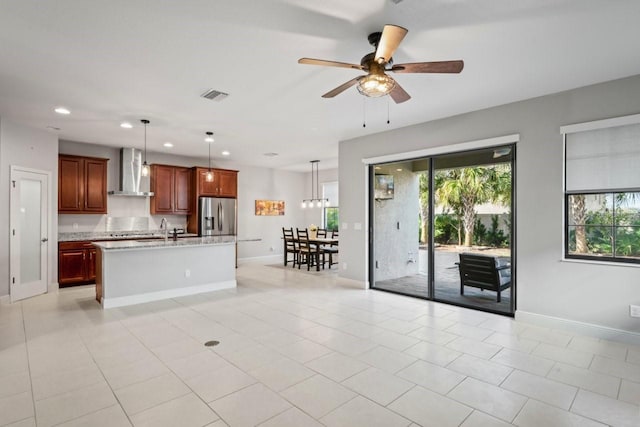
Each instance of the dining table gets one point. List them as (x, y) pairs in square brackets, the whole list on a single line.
[(318, 242)]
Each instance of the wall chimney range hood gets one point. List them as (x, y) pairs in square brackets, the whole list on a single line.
[(130, 174)]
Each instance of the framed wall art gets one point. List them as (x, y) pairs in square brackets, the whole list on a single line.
[(269, 207)]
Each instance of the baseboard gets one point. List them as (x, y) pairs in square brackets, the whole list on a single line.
[(268, 259), (53, 287), (170, 293), (352, 283), (583, 328), (5, 299)]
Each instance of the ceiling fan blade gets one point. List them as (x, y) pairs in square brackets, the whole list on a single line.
[(311, 61), (429, 67), (390, 39), (399, 95), (341, 88)]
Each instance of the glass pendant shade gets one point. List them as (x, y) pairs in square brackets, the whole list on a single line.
[(145, 169), (376, 85), (209, 176), (304, 205)]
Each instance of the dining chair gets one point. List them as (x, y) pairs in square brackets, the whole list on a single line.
[(307, 252), (322, 232), (290, 246), (332, 250)]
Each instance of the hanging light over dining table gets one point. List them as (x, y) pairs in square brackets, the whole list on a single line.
[(315, 200)]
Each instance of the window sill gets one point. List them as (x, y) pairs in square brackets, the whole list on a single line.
[(608, 263)]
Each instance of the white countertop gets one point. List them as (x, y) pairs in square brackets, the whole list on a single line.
[(161, 243)]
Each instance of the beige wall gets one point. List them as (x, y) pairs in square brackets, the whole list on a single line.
[(589, 293)]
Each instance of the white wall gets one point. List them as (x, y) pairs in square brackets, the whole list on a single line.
[(35, 149), (591, 293), (258, 236)]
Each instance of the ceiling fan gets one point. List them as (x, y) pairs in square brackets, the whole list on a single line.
[(376, 82)]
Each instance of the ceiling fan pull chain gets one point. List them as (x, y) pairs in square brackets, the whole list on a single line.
[(364, 112), (388, 121)]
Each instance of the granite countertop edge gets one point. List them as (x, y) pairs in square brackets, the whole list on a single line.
[(159, 244), (115, 235)]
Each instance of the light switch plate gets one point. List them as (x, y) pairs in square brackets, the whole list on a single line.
[(634, 310), (357, 226)]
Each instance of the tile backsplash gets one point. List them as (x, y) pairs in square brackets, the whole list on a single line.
[(125, 213)]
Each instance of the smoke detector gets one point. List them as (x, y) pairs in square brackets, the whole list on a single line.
[(214, 95)]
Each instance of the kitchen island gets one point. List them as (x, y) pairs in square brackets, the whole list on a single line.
[(133, 272)]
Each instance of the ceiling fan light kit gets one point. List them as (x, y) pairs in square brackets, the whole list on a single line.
[(376, 82)]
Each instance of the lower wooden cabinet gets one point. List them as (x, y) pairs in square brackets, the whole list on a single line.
[(76, 263)]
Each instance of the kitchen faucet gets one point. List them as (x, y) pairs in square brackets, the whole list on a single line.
[(165, 225)]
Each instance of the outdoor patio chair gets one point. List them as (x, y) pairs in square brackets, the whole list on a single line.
[(484, 272)]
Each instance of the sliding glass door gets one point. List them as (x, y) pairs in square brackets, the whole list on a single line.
[(400, 219), (442, 228)]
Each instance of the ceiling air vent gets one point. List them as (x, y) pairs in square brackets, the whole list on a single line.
[(214, 95)]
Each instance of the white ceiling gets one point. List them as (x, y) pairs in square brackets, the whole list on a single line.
[(115, 60)]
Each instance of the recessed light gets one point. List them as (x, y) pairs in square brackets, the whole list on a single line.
[(270, 154), (168, 144), (226, 153), (53, 128), (399, 169), (62, 110), (378, 168), (126, 125)]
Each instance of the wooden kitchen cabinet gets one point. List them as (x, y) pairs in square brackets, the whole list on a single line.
[(225, 183), (182, 193), (171, 186), (82, 185), (76, 263)]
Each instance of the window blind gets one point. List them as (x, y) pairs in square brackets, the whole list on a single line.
[(330, 191), (603, 159)]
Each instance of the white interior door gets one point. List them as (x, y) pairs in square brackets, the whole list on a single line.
[(28, 233)]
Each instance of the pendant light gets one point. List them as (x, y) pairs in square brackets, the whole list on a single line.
[(315, 199), (209, 176), (145, 166)]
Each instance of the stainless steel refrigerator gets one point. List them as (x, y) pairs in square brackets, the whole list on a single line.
[(217, 216)]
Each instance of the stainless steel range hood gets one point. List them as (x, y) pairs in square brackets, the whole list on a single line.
[(130, 174)]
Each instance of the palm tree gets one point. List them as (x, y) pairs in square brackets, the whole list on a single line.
[(423, 180), (579, 213), (465, 188)]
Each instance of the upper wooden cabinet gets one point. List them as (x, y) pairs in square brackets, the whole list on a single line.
[(171, 186), (82, 185), (224, 184)]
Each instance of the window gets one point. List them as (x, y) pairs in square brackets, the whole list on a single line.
[(330, 219), (602, 190), (604, 225)]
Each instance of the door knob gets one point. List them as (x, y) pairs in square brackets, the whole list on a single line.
[(44, 239)]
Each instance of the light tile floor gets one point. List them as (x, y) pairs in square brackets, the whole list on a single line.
[(301, 350)]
